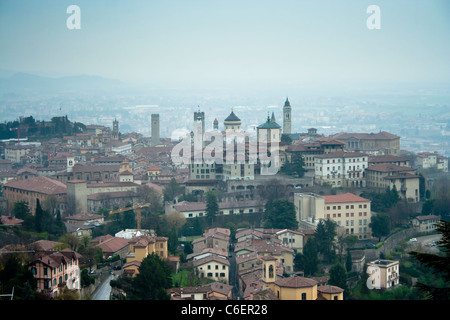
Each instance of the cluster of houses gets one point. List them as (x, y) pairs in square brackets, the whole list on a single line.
[(101, 168)]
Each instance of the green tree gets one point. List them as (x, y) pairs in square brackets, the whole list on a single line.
[(308, 260), (40, 218), (153, 279), (14, 274), (348, 261), (294, 167), (438, 263), (280, 214), (325, 235), (212, 207), (172, 190), (380, 225), (21, 210), (338, 277)]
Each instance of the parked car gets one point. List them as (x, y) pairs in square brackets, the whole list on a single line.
[(412, 240)]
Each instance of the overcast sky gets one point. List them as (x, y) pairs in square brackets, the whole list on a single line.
[(230, 42)]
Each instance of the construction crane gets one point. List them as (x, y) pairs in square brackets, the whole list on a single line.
[(138, 212)]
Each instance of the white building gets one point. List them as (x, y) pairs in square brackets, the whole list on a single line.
[(341, 169)]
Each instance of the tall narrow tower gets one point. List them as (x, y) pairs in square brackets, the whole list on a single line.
[(115, 130), (200, 116), (155, 130), (287, 117)]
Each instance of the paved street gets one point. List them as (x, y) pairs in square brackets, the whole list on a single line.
[(424, 243), (103, 290)]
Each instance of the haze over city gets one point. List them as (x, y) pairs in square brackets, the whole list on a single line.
[(161, 56)]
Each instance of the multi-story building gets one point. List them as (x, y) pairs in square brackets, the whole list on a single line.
[(427, 160), (383, 274), (371, 143), (389, 159), (141, 244), (295, 287), (14, 153), (341, 169), (198, 209), (405, 180), (308, 150), (55, 270), (426, 223), (33, 188), (212, 267), (348, 210)]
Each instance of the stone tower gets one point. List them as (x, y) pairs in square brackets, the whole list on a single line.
[(115, 130), (200, 116), (155, 130), (287, 117)]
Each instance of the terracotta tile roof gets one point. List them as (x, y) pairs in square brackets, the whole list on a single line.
[(296, 282), (207, 259), (341, 154), (38, 184), (382, 135), (112, 245), (386, 158), (346, 197), (388, 167), (10, 221), (110, 195), (185, 206), (44, 245), (426, 217), (329, 289)]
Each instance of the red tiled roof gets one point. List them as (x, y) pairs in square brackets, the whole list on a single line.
[(329, 289), (341, 154), (387, 167), (296, 282), (346, 197), (39, 184)]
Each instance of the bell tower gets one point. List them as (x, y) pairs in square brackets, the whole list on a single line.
[(269, 265), (287, 117)]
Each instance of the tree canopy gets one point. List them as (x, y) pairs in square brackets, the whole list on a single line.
[(280, 214), (439, 264), (152, 280)]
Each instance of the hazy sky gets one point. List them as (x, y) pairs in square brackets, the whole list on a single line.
[(228, 42)]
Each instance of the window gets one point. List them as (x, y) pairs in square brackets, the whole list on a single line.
[(303, 296)]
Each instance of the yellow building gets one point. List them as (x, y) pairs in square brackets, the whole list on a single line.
[(153, 173), (142, 246), (213, 267), (406, 181), (348, 210), (296, 287)]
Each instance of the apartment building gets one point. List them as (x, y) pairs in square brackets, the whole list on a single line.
[(372, 143), (55, 270), (348, 210), (406, 181), (198, 209), (33, 188), (427, 160), (341, 169), (309, 150), (425, 223), (212, 267), (383, 274)]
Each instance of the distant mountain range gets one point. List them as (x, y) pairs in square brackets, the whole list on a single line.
[(20, 82)]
